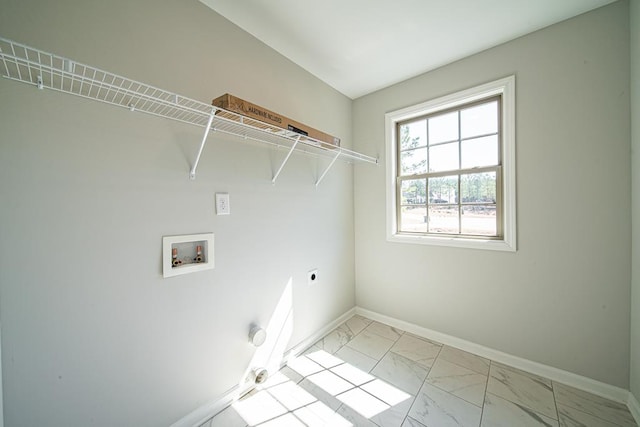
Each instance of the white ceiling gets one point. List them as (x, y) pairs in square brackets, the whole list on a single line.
[(360, 46)]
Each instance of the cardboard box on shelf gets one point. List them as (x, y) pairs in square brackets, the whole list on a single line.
[(246, 108)]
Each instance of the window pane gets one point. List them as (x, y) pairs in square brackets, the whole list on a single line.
[(443, 189), (479, 152), (443, 128), (479, 120), (413, 135), (413, 161), (443, 219), (413, 218), (443, 157), (479, 220), (414, 191), (478, 187)]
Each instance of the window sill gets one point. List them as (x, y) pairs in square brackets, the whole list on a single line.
[(455, 242)]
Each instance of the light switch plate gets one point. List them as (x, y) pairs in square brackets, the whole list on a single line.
[(222, 204)]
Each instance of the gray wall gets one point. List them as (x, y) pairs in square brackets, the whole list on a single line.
[(563, 298), (91, 332), (635, 199)]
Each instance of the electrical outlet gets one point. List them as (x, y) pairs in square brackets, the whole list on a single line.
[(312, 277), (222, 204)]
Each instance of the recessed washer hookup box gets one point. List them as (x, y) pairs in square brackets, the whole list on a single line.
[(246, 108)]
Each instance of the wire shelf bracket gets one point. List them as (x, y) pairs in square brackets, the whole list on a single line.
[(327, 169), (46, 70), (192, 173), (284, 162)]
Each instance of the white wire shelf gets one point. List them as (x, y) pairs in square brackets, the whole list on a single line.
[(46, 70)]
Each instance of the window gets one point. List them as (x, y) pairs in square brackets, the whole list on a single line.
[(451, 169)]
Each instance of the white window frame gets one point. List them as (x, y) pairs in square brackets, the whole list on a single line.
[(505, 87)]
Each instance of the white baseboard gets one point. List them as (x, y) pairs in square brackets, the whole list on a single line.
[(634, 407), (208, 410), (583, 383)]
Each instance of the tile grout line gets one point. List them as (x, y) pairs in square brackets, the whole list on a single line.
[(463, 351), (583, 412), (464, 367), (486, 390), (448, 392), (555, 400), (385, 353), (423, 383), (317, 398), (354, 335), (373, 367), (400, 335), (441, 346), (379, 360)]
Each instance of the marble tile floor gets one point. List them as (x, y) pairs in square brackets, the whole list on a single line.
[(367, 374)]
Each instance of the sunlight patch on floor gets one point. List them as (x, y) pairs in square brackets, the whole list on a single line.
[(360, 390)]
